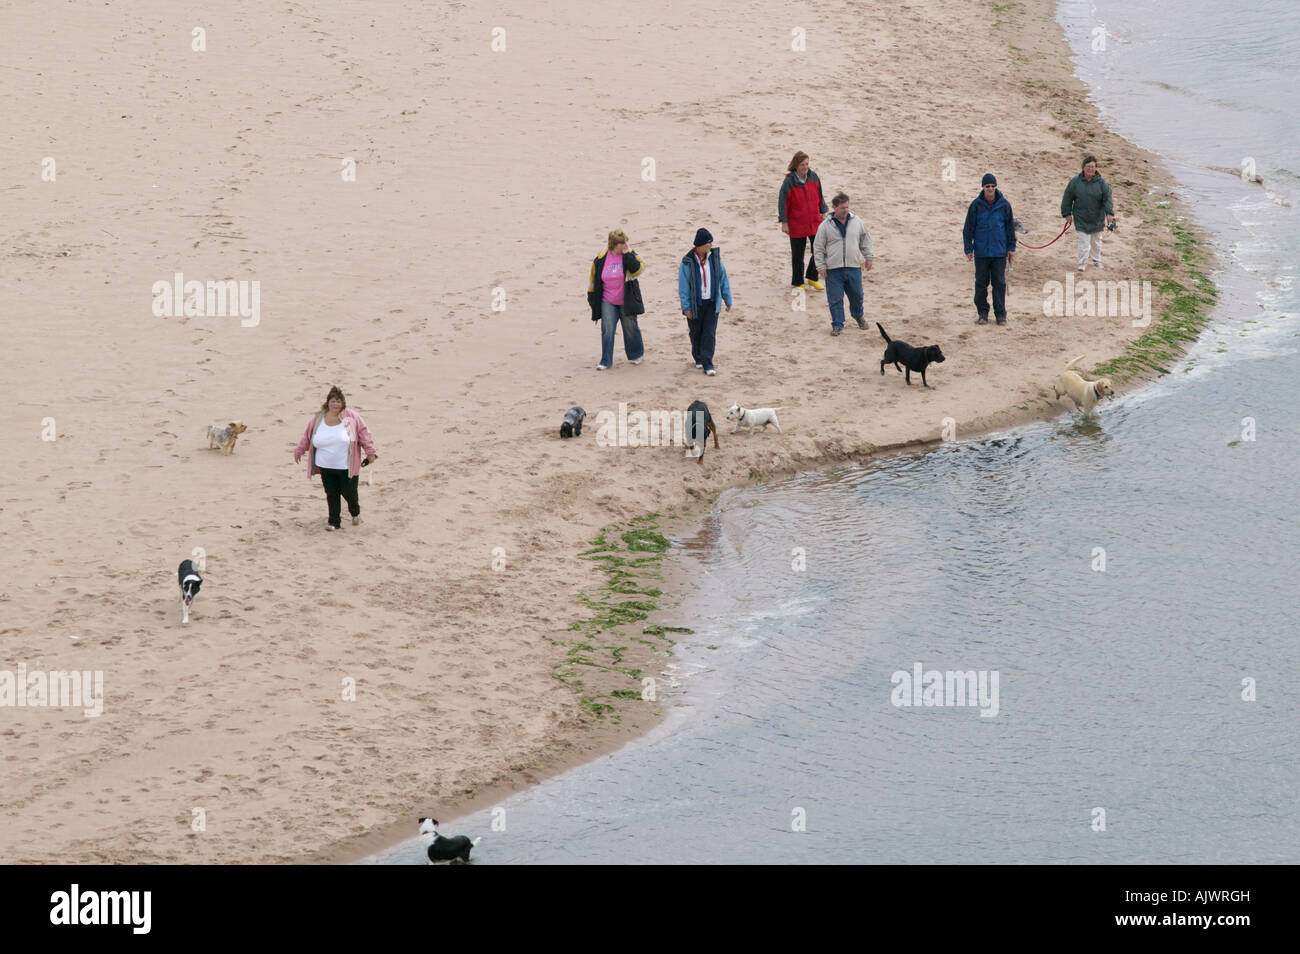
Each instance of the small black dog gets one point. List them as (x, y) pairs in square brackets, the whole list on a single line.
[(190, 581), (441, 848), (698, 427), (573, 418), (915, 359)]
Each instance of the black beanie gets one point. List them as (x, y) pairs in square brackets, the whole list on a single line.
[(702, 237), (989, 179)]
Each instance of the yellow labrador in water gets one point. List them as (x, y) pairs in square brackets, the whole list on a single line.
[(1084, 393), (223, 436)]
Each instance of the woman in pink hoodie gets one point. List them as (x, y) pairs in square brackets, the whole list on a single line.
[(333, 442)]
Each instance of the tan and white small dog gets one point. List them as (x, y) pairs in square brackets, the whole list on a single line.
[(752, 417), (223, 436), (1084, 393)]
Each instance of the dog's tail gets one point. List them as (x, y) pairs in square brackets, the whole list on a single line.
[(886, 337), (1071, 364)]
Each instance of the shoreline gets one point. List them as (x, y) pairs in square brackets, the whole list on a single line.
[(1178, 326), (463, 671)]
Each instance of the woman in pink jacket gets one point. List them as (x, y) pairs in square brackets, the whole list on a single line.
[(333, 442)]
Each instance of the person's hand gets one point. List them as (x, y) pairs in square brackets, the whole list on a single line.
[(1069, 220), (821, 274), (785, 227), (867, 264), (728, 308), (970, 256), (1010, 254), (297, 456), (1110, 219), (686, 314), (371, 458)]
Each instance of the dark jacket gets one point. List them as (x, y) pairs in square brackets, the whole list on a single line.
[(801, 205), (1089, 202), (688, 281), (989, 231), (632, 269)]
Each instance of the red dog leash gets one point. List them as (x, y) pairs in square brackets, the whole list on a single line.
[(1053, 242)]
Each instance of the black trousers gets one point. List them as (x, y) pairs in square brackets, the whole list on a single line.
[(339, 484), (797, 273), (703, 330), (995, 269)]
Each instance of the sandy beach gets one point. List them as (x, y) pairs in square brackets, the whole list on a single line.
[(482, 177)]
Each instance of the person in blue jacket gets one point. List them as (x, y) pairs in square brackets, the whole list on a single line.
[(702, 285), (989, 237)]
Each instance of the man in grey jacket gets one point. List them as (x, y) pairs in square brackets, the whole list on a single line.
[(842, 249), (1087, 204)]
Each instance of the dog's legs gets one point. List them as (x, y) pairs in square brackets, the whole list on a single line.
[(776, 424), (882, 368), (923, 381), (907, 375)]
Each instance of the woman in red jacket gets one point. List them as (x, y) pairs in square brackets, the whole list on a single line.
[(800, 209)]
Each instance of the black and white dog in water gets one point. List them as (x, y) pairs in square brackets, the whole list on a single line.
[(440, 848), (573, 418), (190, 582)]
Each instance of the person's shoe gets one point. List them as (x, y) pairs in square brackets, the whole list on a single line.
[(1002, 320), (982, 320), (602, 367), (1082, 268), (862, 322), (330, 526), (817, 285), (698, 366), (710, 372), (356, 520), (1096, 264), (835, 332), (637, 360)]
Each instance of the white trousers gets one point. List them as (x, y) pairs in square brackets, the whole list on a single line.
[(1089, 241)]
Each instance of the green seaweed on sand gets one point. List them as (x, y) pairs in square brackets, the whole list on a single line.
[(629, 555), (1185, 313)]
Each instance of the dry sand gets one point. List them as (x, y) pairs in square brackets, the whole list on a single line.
[(475, 170)]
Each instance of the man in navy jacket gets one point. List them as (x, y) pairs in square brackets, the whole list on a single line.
[(989, 237)]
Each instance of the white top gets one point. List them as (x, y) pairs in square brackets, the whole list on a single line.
[(331, 445), (706, 292)]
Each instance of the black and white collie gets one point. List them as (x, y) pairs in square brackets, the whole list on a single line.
[(190, 582), (439, 848)]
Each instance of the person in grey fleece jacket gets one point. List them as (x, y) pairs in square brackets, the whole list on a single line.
[(1088, 205), (842, 249)]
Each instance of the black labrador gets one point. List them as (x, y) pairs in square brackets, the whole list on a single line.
[(914, 359)]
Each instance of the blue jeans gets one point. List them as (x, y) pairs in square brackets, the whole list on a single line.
[(839, 281), (610, 316)]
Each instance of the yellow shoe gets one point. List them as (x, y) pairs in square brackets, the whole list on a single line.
[(817, 285)]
